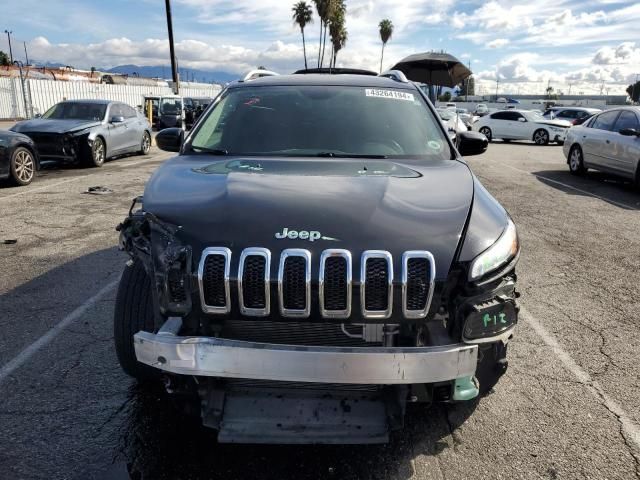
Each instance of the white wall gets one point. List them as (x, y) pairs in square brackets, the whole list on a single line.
[(46, 93)]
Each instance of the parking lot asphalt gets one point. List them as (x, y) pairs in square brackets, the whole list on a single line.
[(566, 409)]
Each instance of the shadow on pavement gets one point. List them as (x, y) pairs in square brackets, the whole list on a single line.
[(616, 191), (159, 442)]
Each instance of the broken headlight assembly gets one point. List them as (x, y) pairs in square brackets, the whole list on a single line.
[(497, 255)]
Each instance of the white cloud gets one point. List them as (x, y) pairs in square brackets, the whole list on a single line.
[(498, 43)]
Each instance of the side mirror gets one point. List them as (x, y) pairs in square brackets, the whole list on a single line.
[(630, 132), (472, 143), (522, 119), (117, 119), (170, 139), (37, 115)]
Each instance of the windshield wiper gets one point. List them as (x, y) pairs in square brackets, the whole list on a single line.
[(213, 151), (347, 155)]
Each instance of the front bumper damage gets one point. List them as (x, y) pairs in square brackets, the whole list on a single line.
[(217, 357)]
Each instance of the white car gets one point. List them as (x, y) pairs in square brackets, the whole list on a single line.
[(452, 120), (609, 142), (522, 125)]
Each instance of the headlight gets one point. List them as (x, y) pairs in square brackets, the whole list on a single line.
[(557, 129), (501, 252)]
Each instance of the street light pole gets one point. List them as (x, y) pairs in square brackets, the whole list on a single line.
[(174, 67), (8, 32), (26, 55)]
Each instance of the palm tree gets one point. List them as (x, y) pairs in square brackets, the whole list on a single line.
[(302, 17), (386, 31), (325, 10), (337, 30)]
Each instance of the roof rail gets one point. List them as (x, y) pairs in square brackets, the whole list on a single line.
[(396, 75), (253, 74)]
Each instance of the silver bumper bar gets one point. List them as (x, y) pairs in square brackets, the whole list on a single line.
[(217, 357)]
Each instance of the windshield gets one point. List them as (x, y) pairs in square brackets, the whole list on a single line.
[(171, 106), (332, 121), (76, 110), (533, 116), (446, 114)]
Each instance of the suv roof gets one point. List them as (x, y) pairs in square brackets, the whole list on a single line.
[(337, 71), (328, 80)]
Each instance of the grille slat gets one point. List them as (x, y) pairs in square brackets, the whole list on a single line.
[(335, 283)]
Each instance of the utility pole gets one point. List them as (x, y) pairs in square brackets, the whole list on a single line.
[(174, 67), (497, 83), (26, 56), (8, 32)]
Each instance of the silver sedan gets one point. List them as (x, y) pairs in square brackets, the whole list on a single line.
[(88, 131), (609, 142)]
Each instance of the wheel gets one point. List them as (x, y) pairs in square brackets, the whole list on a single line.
[(133, 312), (576, 163), (541, 137), (492, 365), (23, 166), (486, 131), (97, 154), (145, 144)]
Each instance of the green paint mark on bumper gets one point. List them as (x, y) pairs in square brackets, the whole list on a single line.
[(465, 388)]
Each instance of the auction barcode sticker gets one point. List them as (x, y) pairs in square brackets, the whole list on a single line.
[(392, 94)]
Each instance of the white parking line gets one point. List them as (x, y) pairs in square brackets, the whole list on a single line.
[(630, 430), (619, 204), (44, 340)]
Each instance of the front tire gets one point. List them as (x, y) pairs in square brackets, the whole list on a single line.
[(541, 137), (145, 144), (133, 313), (98, 153), (23, 166), (576, 161), (492, 365), (486, 131)]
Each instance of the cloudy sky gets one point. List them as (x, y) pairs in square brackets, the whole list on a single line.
[(586, 46)]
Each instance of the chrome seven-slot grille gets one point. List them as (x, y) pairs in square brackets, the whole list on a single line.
[(335, 283)]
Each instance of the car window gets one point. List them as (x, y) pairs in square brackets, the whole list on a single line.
[(568, 114), (331, 121), (128, 112), (513, 116), (627, 120), (605, 121), (500, 116), (171, 106), (116, 111), (76, 111)]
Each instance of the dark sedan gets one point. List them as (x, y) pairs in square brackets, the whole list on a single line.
[(88, 131), (18, 158)]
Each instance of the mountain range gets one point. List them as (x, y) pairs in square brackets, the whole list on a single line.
[(186, 74)]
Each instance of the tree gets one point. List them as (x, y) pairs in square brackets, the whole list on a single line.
[(302, 17), (325, 10), (386, 31), (634, 92), (445, 97), (4, 59), (337, 29)]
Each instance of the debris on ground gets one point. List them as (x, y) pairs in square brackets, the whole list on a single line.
[(99, 190), (9, 242)]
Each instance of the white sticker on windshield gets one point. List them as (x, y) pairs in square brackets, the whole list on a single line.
[(392, 94)]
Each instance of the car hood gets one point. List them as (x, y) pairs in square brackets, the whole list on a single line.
[(354, 205), (53, 126)]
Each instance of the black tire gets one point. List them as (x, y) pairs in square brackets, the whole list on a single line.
[(133, 313), (97, 154), (145, 144), (486, 131), (22, 167), (576, 161), (541, 137), (637, 181), (492, 365)]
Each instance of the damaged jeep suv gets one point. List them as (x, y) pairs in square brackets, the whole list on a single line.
[(316, 257)]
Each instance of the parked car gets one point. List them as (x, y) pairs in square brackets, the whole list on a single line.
[(609, 142), (193, 108), (522, 125), (317, 255), (573, 115), (481, 110), (19, 159), (451, 120), (88, 131), (170, 112)]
